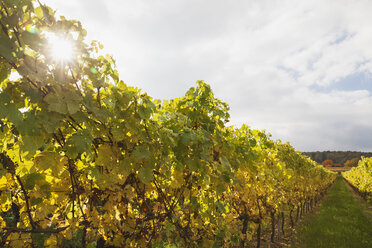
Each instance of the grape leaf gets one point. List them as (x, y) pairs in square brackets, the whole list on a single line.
[(141, 152), (79, 142), (32, 179), (145, 174), (225, 163)]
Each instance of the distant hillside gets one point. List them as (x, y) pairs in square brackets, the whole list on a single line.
[(337, 157)]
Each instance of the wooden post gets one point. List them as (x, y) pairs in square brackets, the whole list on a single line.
[(291, 218), (279, 226), (298, 213), (259, 235), (272, 226)]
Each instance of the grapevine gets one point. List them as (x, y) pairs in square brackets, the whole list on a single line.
[(360, 177), (88, 161)]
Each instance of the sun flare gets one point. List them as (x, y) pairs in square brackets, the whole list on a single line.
[(60, 48)]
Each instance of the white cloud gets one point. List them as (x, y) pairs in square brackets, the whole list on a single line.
[(262, 57)]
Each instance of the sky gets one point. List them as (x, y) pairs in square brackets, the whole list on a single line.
[(301, 70)]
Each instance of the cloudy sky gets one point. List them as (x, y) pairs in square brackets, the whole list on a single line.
[(301, 70)]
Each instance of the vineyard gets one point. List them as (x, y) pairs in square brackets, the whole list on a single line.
[(87, 161), (360, 177)]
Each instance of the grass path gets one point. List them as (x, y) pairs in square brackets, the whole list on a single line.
[(341, 221)]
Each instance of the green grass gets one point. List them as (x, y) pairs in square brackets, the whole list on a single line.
[(340, 222)]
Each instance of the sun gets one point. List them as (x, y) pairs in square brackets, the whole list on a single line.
[(60, 48)]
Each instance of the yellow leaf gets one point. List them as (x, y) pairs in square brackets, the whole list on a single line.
[(68, 235), (3, 183), (177, 179), (69, 215), (2, 222), (51, 241), (5, 201), (50, 160), (106, 156)]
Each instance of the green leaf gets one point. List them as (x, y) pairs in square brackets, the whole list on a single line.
[(145, 174), (35, 201), (14, 114), (50, 121), (55, 103), (29, 126), (72, 100), (92, 245), (141, 153), (39, 239), (73, 107), (32, 40), (49, 160), (32, 143), (187, 137), (63, 101), (194, 203), (144, 112), (118, 134), (4, 71), (12, 20), (3, 111), (169, 229), (5, 202), (151, 106), (225, 177), (225, 163), (106, 156), (252, 142), (193, 164), (6, 47), (220, 207), (31, 180), (32, 93), (2, 171), (94, 173), (79, 142), (220, 188), (125, 167)]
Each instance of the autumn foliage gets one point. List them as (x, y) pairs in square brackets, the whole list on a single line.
[(352, 162), (327, 163)]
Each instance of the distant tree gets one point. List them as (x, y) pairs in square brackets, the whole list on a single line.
[(338, 157), (351, 162), (327, 163)]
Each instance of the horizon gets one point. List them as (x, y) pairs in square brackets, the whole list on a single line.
[(336, 151)]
